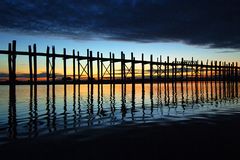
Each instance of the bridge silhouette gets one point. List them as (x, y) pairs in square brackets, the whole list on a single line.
[(159, 71)]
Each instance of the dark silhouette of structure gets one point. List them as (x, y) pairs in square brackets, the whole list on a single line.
[(159, 71)]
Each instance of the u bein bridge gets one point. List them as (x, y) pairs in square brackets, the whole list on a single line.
[(159, 71)]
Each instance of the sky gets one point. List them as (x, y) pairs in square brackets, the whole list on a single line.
[(176, 28)]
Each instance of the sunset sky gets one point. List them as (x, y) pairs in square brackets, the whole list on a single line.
[(176, 28)]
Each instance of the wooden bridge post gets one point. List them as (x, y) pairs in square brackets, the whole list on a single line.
[(53, 64), (113, 63), (78, 61), (14, 60), (224, 71), (47, 64), (133, 68), (10, 62), (160, 68), (206, 74), (211, 67), (182, 67), (175, 70), (151, 68), (98, 67), (88, 67), (91, 67), (168, 68), (215, 73), (192, 70), (236, 72), (101, 68), (201, 70), (143, 68), (74, 72), (220, 71), (110, 64), (122, 66), (35, 62), (30, 63), (64, 65), (196, 75)]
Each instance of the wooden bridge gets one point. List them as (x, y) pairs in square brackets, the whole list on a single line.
[(159, 71)]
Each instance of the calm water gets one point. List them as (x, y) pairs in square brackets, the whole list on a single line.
[(33, 111)]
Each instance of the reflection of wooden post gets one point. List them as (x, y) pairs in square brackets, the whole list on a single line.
[(74, 72), (35, 62), (47, 64), (53, 64), (64, 65), (142, 68), (30, 63)]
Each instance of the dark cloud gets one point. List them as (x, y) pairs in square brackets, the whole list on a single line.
[(214, 23)]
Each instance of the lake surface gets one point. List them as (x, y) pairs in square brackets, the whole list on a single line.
[(34, 111)]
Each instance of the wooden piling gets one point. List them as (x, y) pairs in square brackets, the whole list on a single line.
[(47, 64), (78, 60), (182, 67), (98, 67), (101, 68), (91, 67), (143, 68), (53, 65), (14, 60), (30, 63), (10, 63), (64, 65), (113, 65), (133, 68), (151, 68), (35, 62), (74, 67), (110, 66), (168, 68)]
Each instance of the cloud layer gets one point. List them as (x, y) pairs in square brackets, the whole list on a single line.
[(215, 23)]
